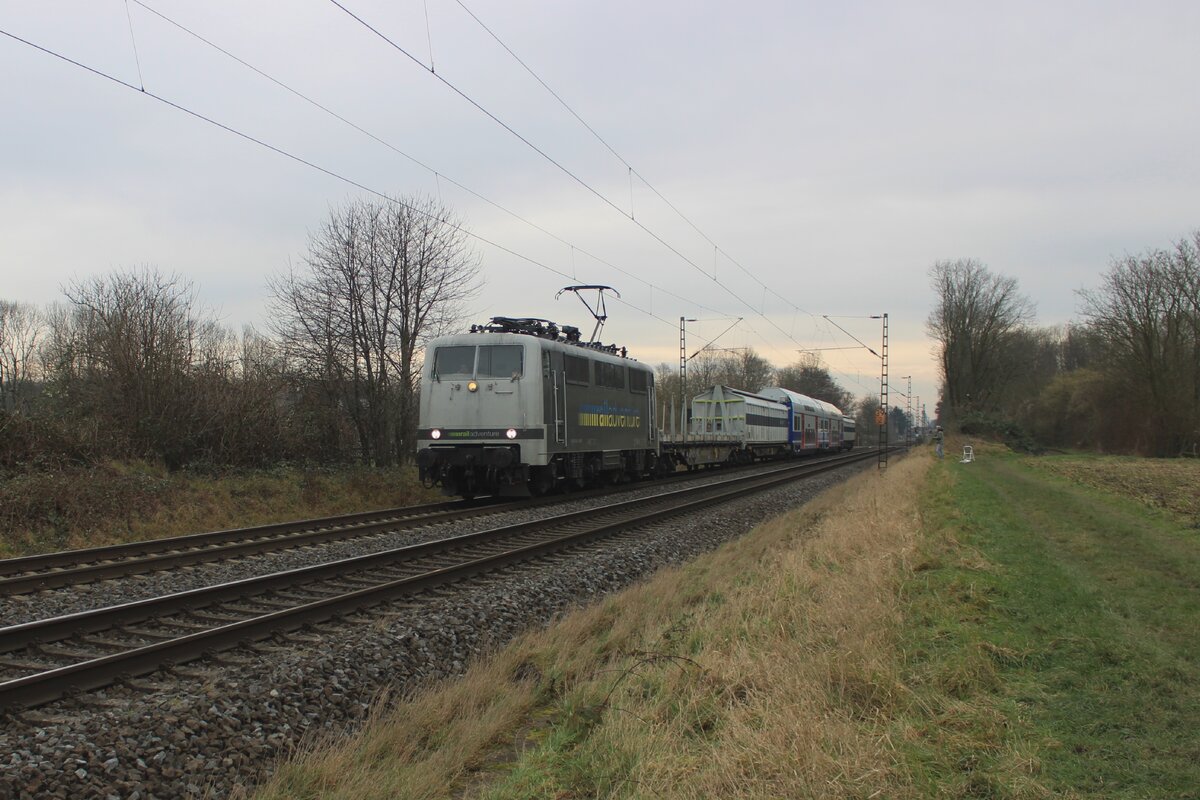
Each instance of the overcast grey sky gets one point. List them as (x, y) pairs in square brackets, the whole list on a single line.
[(835, 150)]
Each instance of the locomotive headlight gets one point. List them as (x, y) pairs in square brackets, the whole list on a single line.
[(472, 386), (436, 433), (511, 433)]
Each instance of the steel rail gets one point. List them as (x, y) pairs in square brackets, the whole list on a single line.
[(74, 567), (53, 684), (69, 558), (222, 545), (56, 628)]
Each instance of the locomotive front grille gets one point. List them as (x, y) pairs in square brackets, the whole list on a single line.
[(469, 456)]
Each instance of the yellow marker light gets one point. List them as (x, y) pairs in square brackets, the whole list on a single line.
[(472, 386)]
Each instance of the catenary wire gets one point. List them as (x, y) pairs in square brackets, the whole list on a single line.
[(389, 199), (437, 174), (312, 165), (632, 170), (133, 41), (728, 290), (717, 249), (594, 191)]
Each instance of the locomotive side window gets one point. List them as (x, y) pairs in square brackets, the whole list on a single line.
[(637, 381), (577, 370), (610, 375), (501, 361), (454, 362)]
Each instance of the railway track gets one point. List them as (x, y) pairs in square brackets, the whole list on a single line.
[(48, 659), (77, 567)]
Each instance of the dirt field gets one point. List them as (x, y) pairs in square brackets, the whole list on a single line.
[(1170, 484)]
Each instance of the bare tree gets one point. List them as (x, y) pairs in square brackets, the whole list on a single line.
[(809, 376), (746, 369), (1082, 409), (974, 323), (866, 431), (21, 329), (1147, 314), (244, 390), (379, 280), (127, 354), (1079, 348), (1032, 359), (740, 368)]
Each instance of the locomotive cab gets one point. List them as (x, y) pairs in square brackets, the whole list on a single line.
[(484, 399), (520, 407)]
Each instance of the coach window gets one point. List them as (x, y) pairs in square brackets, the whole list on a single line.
[(454, 362), (501, 361), (578, 370)]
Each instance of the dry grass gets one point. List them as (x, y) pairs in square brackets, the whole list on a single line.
[(947, 632), (123, 502), (767, 669)]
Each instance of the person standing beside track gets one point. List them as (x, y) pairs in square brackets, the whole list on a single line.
[(938, 439)]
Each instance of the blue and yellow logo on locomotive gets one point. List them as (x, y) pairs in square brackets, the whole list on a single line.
[(602, 415)]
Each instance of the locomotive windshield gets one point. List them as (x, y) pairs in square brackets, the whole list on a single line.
[(454, 362), (500, 361), (494, 361)]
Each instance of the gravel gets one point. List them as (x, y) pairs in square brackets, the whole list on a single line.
[(69, 600), (210, 728)]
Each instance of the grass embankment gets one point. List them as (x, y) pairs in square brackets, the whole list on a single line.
[(967, 631), (766, 669), (115, 502), (1070, 635)]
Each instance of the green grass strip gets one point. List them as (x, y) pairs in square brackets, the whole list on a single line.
[(1053, 641)]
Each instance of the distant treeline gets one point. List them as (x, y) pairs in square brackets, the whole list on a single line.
[(1125, 379), (131, 367)]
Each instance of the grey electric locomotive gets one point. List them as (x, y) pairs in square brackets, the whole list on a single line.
[(519, 406)]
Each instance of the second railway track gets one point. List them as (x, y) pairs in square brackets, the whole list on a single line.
[(48, 659), (74, 567), (69, 568)]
